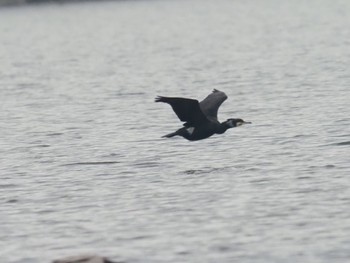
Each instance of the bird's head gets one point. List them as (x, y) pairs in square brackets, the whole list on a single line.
[(231, 123)]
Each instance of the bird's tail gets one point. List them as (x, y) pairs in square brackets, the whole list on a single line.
[(170, 135)]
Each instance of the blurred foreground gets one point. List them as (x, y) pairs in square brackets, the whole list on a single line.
[(20, 2)]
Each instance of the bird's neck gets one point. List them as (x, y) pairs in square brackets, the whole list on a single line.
[(223, 127)]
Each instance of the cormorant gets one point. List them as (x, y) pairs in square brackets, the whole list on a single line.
[(200, 118)]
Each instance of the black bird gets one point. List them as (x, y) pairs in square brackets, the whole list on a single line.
[(200, 118)]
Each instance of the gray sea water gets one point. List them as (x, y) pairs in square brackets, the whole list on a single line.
[(83, 166)]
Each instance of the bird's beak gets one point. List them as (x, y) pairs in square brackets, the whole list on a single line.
[(247, 122)]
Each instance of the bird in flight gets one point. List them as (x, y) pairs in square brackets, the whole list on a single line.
[(200, 118)]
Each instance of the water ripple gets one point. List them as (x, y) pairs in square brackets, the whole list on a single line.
[(91, 163)]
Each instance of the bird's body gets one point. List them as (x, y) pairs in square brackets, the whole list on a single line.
[(200, 118), (200, 132)]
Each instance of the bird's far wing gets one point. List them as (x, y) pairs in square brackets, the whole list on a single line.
[(187, 110), (211, 104)]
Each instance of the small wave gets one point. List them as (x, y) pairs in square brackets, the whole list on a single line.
[(54, 134), (303, 136), (336, 144), (42, 145), (304, 178), (130, 93), (11, 201), (147, 164), (327, 166), (342, 143), (8, 185), (261, 180), (193, 171), (202, 171), (90, 163)]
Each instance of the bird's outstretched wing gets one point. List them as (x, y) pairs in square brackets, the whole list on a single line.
[(211, 103), (187, 110)]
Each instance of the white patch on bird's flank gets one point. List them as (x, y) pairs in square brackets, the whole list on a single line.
[(190, 130)]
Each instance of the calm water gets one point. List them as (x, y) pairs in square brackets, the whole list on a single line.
[(83, 167)]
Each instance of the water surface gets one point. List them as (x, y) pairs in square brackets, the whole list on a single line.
[(83, 167)]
